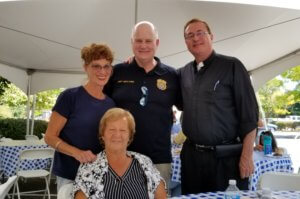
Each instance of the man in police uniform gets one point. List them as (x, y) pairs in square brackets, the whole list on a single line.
[(148, 89), (220, 108)]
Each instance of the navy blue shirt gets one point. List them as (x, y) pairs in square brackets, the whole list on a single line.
[(83, 113), (155, 119)]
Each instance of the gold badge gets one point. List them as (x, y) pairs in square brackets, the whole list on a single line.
[(161, 84)]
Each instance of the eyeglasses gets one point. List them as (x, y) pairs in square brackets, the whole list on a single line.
[(144, 99), (106, 67), (190, 36)]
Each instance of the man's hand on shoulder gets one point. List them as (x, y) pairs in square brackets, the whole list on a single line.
[(129, 60)]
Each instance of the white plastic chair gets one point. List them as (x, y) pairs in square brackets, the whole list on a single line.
[(4, 139), (31, 137), (280, 181), (65, 191), (4, 188), (35, 154)]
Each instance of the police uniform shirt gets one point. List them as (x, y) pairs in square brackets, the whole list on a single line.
[(149, 97)]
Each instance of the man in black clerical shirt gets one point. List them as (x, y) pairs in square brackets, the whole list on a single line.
[(220, 116)]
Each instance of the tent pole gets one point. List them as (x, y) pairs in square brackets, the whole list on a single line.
[(28, 106), (263, 114), (260, 108), (32, 114), (29, 73)]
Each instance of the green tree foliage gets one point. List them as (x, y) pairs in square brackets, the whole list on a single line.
[(5, 112), (293, 74), (3, 85), (45, 100), (276, 100), (16, 101), (295, 109), (268, 95)]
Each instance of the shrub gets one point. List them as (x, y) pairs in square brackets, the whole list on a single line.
[(296, 125), (287, 125), (16, 128)]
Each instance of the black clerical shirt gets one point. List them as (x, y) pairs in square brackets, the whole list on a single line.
[(219, 102)]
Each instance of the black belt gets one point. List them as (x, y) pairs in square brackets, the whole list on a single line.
[(200, 147)]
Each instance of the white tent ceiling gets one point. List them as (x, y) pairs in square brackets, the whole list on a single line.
[(47, 35)]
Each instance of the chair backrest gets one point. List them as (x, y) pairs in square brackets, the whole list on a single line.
[(4, 188), (65, 191), (5, 139), (31, 137), (33, 154), (280, 181)]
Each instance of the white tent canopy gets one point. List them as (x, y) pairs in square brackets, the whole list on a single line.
[(40, 41)]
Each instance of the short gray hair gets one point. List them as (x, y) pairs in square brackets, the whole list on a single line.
[(144, 23)]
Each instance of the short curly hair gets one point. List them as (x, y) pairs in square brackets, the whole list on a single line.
[(95, 52), (115, 114)]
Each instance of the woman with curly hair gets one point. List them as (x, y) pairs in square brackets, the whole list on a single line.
[(73, 126)]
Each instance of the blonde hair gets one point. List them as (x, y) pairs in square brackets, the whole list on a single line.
[(115, 114)]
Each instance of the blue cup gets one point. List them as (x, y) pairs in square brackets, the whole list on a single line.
[(267, 145)]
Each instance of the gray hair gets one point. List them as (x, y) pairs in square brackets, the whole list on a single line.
[(144, 23)]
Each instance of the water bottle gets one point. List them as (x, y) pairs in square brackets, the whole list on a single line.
[(267, 144), (232, 191), (266, 193)]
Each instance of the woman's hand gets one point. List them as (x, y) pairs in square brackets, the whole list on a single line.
[(85, 156), (80, 195), (160, 192), (56, 124), (259, 147)]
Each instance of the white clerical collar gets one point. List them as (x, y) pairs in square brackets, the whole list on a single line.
[(200, 65)]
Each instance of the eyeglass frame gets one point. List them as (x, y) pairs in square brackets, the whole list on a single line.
[(144, 98), (192, 35), (106, 67)]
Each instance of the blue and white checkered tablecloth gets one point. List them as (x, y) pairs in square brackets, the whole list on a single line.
[(176, 169), (265, 164), (262, 164), (9, 155), (244, 194)]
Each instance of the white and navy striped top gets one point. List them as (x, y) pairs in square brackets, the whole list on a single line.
[(122, 187), (98, 181)]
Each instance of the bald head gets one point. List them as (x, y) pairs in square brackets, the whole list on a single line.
[(144, 40), (147, 25)]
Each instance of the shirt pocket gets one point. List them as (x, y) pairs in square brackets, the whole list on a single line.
[(126, 91)]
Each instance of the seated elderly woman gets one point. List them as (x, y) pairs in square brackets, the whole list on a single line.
[(118, 173)]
